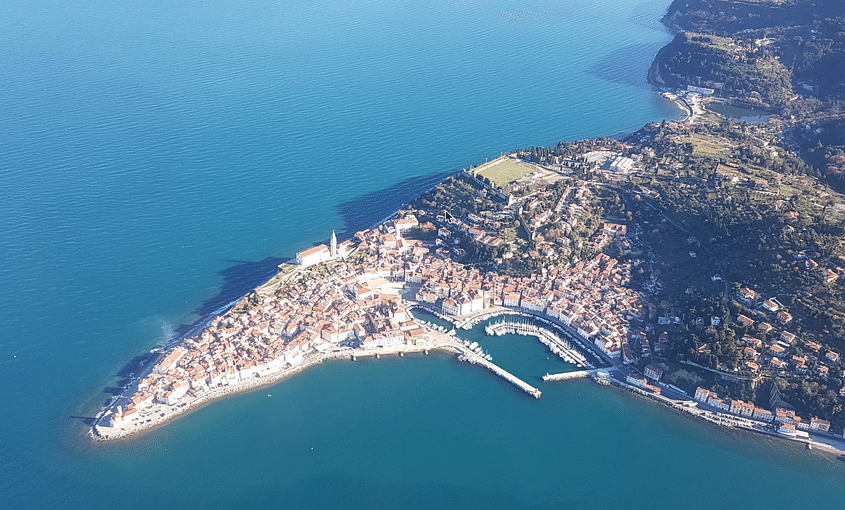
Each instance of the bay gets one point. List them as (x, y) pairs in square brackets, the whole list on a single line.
[(159, 158)]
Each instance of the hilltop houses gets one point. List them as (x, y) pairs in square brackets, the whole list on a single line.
[(747, 296)]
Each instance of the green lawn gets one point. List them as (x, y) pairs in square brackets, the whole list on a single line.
[(506, 170)]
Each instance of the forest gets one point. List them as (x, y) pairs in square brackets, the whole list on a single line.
[(768, 53)]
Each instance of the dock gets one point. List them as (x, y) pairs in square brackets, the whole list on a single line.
[(579, 374), (475, 359), (557, 345)]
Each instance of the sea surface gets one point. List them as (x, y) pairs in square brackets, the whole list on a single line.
[(158, 159), (739, 114)]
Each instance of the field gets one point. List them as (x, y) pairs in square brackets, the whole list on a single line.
[(705, 145), (505, 170)]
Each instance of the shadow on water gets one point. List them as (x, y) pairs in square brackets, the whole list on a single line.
[(114, 390), (238, 280), (625, 65), (87, 420), (367, 210), (135, 365), (243, 276)]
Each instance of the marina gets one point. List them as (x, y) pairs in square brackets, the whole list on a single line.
[(557, 345)]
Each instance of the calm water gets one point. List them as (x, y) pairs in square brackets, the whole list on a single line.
[(738, 113), (158, 159)]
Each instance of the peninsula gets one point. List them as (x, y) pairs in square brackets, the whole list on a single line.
[(696, 263)]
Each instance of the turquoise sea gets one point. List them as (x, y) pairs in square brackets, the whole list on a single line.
[(159, 158)]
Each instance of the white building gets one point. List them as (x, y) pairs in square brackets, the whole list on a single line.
[(450, 307), (511, 299), (391, 338), (819, 424), (762, 414), (532, 304), (313, 256), (142, 400), (609, 346), (171, 360), (121, 417), (322, 253), (718, 403), (653, 372), (477, 301), (787, 429), (636, 381)]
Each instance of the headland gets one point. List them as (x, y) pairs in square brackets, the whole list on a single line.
[(630, 257)]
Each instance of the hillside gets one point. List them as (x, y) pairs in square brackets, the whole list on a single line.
[(769, 54)]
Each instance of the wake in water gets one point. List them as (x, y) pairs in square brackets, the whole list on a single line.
[(168, 337), (167, 331), (204, 322)]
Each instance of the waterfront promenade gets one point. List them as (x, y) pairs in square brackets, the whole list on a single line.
[(159, 413)]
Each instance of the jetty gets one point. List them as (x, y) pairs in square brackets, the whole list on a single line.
[(598, 375), (578, 374), (557, 345), (475, 359)]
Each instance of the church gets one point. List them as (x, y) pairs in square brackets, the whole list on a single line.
[(321, 253)]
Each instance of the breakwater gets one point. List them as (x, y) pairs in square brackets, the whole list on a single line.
[(578, 374), (471, 357)]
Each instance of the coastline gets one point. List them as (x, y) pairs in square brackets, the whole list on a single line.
[(102, 433), (691, 109), (714, 419), (445, 343), (835, 445), (195, 329), (688, 109)]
